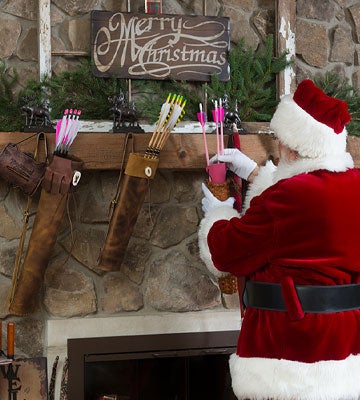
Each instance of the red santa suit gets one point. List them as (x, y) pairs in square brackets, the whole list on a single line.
[(301, 227)]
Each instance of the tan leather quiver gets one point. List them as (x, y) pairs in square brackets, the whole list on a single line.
[(130, 199), (50, 211)]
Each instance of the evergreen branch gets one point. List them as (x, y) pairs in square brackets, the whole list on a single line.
[(252, 80)]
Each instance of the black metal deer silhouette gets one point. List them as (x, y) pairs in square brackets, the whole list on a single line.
[(122, 114)]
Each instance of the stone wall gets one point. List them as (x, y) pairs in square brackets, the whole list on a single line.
[(162, 271), (327, 32)]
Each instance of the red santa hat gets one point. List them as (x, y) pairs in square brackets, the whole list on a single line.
[(311, 122)]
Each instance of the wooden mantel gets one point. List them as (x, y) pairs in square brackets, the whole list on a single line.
[(104, 151)]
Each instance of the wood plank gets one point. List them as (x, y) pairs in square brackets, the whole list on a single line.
[(166, 46), (44, 45), (285, 41), (104, 151)]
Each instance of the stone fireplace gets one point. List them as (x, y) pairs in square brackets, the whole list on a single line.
[(162, 286)]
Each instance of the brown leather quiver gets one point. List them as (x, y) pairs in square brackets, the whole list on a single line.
[(50, 211), (135, 181)]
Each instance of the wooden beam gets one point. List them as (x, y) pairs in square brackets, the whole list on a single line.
[(104, 151), (285, 11), (71, 53), (44, 38)]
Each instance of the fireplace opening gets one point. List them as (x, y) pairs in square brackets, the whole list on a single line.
[(185, 366)]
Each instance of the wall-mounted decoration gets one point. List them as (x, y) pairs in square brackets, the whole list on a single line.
[(24, 379), (133, 184), (62, 175), (145, 46)]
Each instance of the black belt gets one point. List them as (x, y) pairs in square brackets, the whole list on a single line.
[(314, 299)]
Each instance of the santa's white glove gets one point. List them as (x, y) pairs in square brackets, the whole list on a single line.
[(237, 162), (210, 202)]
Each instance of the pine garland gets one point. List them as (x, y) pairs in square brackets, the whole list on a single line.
[(252, 80), (252, 83), (79, 89), (10, 114), (149, 97)]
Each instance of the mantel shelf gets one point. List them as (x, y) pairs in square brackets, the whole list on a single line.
[(104, 151)]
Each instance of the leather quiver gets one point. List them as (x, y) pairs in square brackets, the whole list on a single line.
[(59, 174), (50, 211), (131, 197), (21, 170)]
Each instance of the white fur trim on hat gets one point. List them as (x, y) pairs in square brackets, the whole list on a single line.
[(298, 130), (264, 378)]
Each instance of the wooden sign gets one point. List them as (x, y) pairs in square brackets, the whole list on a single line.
[(164, 46), (24, 379)]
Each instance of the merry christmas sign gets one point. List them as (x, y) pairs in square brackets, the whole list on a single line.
[(162, 46)]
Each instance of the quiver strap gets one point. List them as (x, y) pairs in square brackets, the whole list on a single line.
[(50, 211), (59, 174), (134, 185)]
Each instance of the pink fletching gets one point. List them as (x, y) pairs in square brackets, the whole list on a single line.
[(201, 118), (221, 113), (215, 115)]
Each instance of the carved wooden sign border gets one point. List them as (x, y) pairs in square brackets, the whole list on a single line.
[(164, 46)]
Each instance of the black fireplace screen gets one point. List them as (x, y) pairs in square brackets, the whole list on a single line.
[(190, 366)]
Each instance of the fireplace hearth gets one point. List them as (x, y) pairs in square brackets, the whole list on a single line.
[(179, 366)]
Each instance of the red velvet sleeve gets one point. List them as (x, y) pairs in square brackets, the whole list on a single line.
[(241, 246)]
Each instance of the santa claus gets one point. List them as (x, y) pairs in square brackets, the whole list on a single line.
[(297, 243)]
